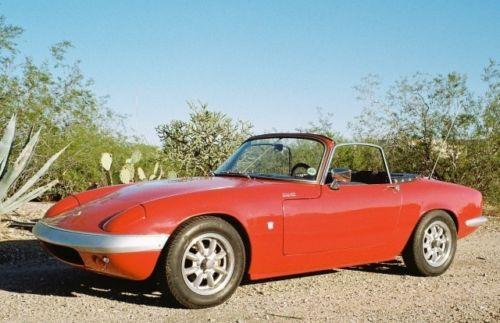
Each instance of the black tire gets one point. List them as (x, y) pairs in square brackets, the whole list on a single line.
[(415, 252), (172, 262)]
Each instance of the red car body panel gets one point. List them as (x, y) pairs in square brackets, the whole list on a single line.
[(132, 265), (289, 227)]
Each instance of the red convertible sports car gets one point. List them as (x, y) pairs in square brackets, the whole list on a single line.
[(282, 204)]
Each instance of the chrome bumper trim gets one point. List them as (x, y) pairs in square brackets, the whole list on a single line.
[(477, 221), (99, 243)]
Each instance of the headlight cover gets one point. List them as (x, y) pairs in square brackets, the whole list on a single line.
[(62, 206), (123, 221)]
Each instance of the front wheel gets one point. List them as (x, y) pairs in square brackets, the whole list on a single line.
[(432, 247), (204, 262)]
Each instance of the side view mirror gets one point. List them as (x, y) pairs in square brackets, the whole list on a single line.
[(340, 175), (334, 185)]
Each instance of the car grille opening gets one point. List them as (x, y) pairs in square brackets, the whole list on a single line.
[(64, 253)]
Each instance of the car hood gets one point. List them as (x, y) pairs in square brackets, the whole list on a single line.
[(89, 216)]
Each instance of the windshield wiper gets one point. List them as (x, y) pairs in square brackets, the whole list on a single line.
[(233, 173)]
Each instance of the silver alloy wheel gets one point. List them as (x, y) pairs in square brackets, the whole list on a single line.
[(437, 243), (208, 263)]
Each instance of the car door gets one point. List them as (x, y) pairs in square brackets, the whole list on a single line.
[(351, 215)]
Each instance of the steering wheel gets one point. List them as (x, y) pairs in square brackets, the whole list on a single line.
[(297, 166)]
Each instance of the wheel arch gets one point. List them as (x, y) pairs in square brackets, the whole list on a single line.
[(453, 217), (450, 213), (234, 222)]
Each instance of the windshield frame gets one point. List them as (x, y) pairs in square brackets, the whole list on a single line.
[(318, 138)]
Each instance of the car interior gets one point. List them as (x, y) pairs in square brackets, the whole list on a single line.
[(357, 165), (357, 177)]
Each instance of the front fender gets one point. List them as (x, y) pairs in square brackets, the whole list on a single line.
[(74, 200), (254, 210)]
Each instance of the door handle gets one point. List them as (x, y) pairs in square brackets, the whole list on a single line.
[(394, 187)]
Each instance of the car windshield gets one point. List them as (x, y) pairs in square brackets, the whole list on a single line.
[(280, 158)]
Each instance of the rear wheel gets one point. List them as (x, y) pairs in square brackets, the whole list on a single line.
[(433, 244), (204, 262)]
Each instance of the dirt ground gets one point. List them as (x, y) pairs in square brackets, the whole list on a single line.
[(36, 287)]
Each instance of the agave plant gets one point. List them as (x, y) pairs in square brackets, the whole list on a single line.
[(9, 175)]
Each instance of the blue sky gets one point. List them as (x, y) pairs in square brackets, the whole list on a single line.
[(269, 62)]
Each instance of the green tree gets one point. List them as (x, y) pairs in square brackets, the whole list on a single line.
[(198, 146), (484, 149), (56, 96), (423, 117)]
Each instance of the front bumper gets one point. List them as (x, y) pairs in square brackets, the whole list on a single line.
[(99, 242)]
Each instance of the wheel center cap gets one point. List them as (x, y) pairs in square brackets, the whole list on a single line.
[(207, 264), (204, 264)]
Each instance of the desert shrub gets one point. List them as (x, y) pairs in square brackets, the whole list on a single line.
[(413, 119), (198, 146)]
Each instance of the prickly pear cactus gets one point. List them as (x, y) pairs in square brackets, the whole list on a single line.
[(154, 175), (141, 174), (128, 170), (106, 161), (171, 175), (127, 173)]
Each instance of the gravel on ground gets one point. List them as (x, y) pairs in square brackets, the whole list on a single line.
[(36, 287)]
